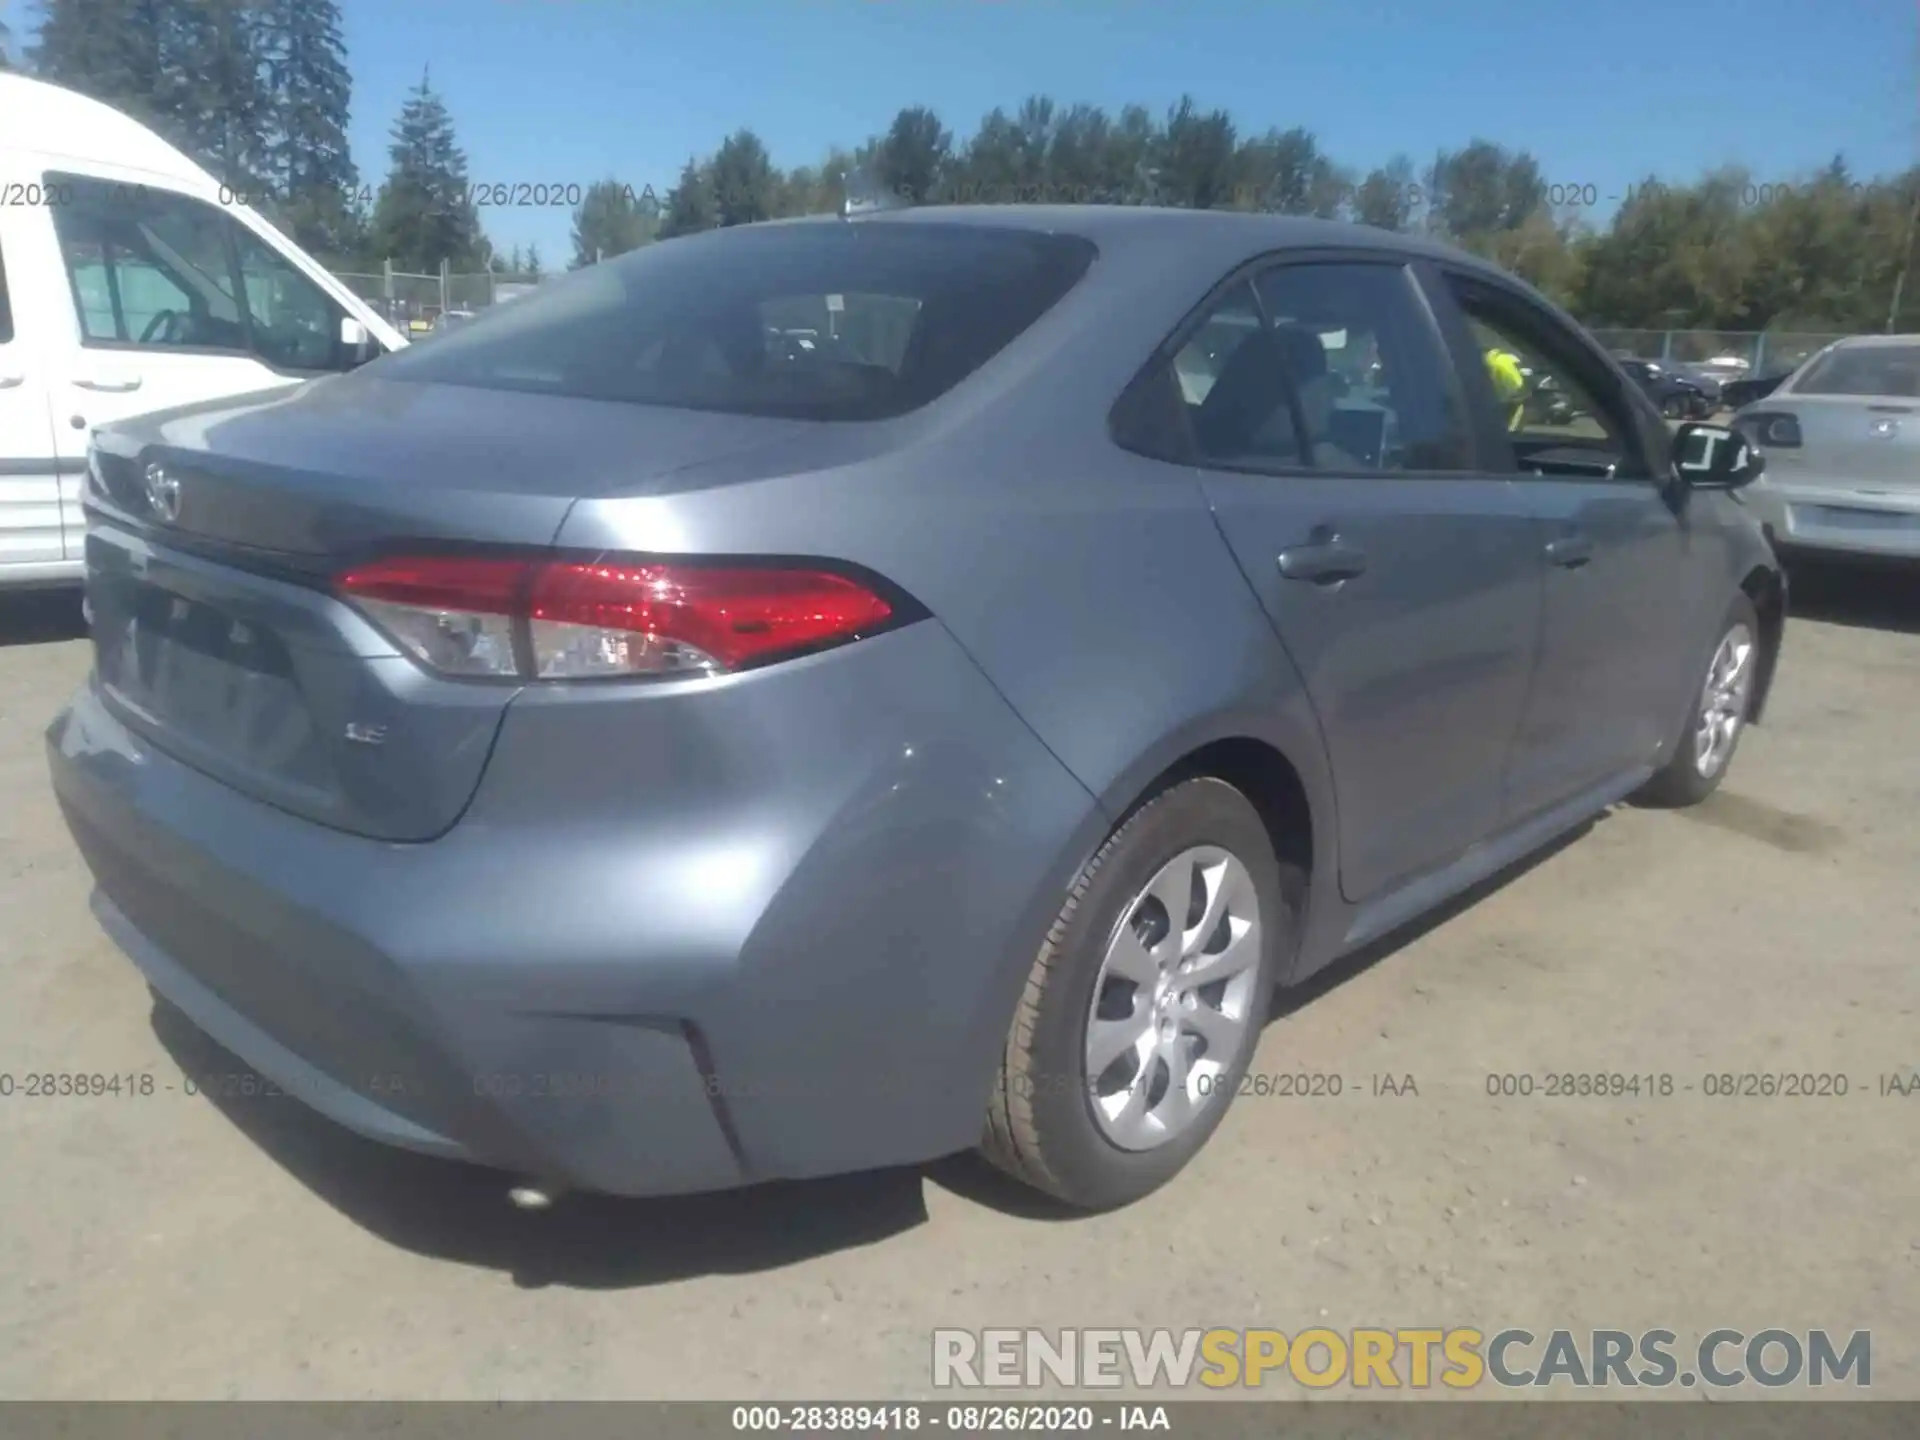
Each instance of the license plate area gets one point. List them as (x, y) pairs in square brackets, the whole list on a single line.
[(197, 672)]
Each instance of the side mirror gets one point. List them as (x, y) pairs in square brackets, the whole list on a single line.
[(1712, 457), (357, 341)]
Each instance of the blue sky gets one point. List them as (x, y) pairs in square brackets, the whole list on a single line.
[(1603, 91)]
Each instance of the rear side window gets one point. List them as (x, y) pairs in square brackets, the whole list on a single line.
[(1375, 386), (1322, 365), (825, 321), (1886, 371)]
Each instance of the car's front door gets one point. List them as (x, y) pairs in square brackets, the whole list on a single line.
[(1403, 579), (172, 301), (1622, 599)]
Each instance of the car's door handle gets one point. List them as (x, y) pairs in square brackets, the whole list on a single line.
[(7, 382), (108, 384), (1324, 560), (1570, 552)]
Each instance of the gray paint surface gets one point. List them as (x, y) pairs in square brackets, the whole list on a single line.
[(783, 916)]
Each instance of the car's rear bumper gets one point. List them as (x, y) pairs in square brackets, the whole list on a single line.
[(625, 969), (1837, 518)]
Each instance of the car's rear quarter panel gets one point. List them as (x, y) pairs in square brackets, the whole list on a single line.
[(1091, 585)]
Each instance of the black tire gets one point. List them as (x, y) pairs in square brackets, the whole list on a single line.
[(1041, 1127), (1674, 408), (1682, 781)]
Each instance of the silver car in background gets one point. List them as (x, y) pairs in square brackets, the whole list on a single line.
[(1841, 437)]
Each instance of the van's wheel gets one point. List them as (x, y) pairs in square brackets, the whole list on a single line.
[(1719, 715), (1146, 1001)]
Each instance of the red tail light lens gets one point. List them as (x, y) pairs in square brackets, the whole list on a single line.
[(612, 616), (1769, 428), (632, 617)]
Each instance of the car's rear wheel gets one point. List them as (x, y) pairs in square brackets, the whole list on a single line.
[(1719, 715), (1673, 407), (1145, 1002)]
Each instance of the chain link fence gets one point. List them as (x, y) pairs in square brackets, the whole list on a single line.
[(412, 302), (1761, 351)]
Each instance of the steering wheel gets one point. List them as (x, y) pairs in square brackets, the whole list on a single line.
[(165, 319)]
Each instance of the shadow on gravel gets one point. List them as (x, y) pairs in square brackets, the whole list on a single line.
[(1870, 595), (1295, 998), (460, 1212), (40, 617)]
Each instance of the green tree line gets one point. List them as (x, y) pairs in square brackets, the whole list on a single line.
[(260, 91), (1730, 250)]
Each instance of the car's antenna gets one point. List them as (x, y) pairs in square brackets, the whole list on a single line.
[(864, 193)]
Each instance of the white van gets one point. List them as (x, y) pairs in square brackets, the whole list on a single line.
[(129, 282)]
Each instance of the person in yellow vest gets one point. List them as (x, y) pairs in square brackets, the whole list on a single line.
[(1509, 384)]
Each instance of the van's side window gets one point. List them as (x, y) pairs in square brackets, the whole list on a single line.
[(154, 270)]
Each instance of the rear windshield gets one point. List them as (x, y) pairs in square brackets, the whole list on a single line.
[(1889, 370), (816, 320)]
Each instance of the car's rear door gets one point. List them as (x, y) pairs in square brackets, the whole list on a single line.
[(1402, 577), (1624, 606)]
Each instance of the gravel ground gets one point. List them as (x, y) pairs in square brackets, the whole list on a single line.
[(168, 1246)]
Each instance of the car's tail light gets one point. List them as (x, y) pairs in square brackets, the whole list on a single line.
[(565, 619), (454, 614), (1775, 429)]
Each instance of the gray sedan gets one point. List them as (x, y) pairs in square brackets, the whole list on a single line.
[(615, 746), (1841, 437)]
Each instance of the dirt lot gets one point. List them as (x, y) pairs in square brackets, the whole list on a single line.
[(166, 1246)]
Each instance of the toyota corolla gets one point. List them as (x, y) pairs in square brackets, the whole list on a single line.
[(620, 747)]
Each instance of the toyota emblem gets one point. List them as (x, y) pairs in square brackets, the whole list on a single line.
[(1886, 429), (163, 493)]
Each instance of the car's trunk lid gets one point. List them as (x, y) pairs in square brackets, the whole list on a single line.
[(1849, 443), (214, 533)]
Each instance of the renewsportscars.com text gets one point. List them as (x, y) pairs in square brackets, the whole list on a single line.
[(1391, 1358)]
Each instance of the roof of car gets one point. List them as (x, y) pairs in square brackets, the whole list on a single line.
[(1864, 342), (1120, 224), (65, 123)]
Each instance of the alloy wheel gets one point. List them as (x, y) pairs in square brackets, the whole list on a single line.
[(1723, 700), (1173, 998)]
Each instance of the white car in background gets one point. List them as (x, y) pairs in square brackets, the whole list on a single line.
[(130, 281), (1841, 437)]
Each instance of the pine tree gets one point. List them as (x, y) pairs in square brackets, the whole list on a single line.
[(306, 163), (690, 207), (109, 49), (187, 68), (533, 262), (607, 222), (210, 97), (743, 180), (425, 214)]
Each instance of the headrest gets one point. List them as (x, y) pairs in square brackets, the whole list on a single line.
[(1300, 347)]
